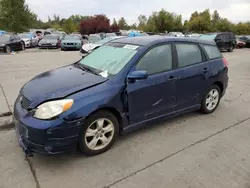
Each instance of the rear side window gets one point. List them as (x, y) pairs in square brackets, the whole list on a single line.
[(212, 51), (188, 54)]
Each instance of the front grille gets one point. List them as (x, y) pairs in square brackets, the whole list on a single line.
[(70, 43), (25, 103)]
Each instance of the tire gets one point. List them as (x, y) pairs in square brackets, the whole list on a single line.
[(231, 48), (98, 141), (209, 107), (22, 46), (7, 49)]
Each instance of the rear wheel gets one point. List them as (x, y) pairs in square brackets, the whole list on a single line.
[(231, 48), (211, 99), (98, 133)]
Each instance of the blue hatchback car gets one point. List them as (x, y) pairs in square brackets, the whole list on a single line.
[(117, 88)]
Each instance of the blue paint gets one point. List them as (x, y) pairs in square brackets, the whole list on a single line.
[(136, 96)]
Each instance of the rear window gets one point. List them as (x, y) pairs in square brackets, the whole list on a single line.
[(212, 51)]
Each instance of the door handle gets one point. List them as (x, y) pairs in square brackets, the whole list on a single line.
[(205, 70), (171, 78)]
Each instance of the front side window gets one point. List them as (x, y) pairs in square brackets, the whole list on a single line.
[(188, 54), (156, 60), (110, 59)]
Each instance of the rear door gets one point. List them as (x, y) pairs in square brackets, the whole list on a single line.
[(193, 74), (155, 95)]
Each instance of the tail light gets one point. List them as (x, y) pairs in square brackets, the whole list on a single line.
[(225, 62)]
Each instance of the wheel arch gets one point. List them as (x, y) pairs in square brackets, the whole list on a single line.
[(113, 111), (220, 85)]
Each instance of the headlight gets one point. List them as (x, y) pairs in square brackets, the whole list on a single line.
[(52, 109), (2, 45)]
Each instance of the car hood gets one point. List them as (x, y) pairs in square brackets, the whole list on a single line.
[(25, 39), (59, 83), (90, 46), (48, 40)]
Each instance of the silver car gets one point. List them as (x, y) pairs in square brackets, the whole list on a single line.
[(89, 47), (30, 39)]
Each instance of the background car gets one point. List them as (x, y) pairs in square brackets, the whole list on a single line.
[(50, 41), (224, 40), (110, 35), (10, 42), (71, 42), (61, 34), (30, 39), (93, 38), (89, 47), (193, 35), (240, 43), (176, 34), (2, 32), (246, 39)]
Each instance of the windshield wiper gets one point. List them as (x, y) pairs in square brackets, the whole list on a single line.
[(86, 68)]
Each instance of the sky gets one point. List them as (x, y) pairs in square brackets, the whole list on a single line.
[(234, 10)]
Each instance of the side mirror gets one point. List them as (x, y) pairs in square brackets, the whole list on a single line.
[(138, 75)]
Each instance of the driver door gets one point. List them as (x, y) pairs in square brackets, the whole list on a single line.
[(13, 44), (156, 95)]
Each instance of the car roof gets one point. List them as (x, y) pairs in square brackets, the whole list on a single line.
[(147, 40)]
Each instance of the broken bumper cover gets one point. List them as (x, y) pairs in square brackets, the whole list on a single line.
[(51, 145)]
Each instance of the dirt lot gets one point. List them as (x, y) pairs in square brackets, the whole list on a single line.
[(193, 150)]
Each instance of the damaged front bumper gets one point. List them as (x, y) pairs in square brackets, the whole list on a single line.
[(53, 143)]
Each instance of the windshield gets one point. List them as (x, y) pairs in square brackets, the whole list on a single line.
[(4, 37), (94, 39), (207, 37), (103, 41), (72, 37), (50, 37), (110, 59), (24, 36)]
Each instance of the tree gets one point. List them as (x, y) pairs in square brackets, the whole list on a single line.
[(114, 27), (16, 16), (200, 22), (142, 22), (163, 21), (95, 24), (69, 26), (122, 23)]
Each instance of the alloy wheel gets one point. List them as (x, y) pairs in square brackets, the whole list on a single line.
[(99, 134), (8, 49), (212, 99)]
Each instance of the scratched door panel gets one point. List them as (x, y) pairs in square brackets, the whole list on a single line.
[(152, 97)]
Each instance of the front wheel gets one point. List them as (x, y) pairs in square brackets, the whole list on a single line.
[(98, 133), (22, 46), (7, 49), (211, 100)]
